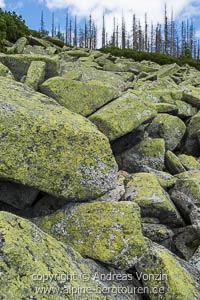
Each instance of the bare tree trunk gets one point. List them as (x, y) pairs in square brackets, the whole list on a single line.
[(75, 32), (52, 26), (166, 32), (70, 32), (117, 36), (103, 33), (146, 34), (123, 33), (66, 28)]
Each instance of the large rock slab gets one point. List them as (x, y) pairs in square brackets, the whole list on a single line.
[(19, 64), (154, 202), (80, 97), (186, 193), (123, 115), (192, 96), (37, 266), (192, 145), (109, 232), (167, 277), (147, 153), (5, 72), (19, 45), (173, 164), (189, 162), (46, 146), (170, 128), (36, 74)]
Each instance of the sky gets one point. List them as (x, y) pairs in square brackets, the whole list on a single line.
[(31, 11)]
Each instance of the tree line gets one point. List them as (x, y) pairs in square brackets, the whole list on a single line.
[(171, 38), (12, 26)]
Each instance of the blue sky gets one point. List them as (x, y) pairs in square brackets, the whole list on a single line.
[(31, 10)]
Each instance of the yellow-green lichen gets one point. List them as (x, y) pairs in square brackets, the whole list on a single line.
[(106, 231), (32, 260), (123, 115), (35, 74), (145, 190), (54, 150), (168, 127), (177, 281), (77, 96)]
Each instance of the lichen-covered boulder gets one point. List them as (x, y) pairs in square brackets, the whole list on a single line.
[(167, 277), (34, 41), (186, 241), (165, 179), (195, 259), (19, 64), (192, 96), (168, 70), (170, 128), (173, 164), (192, 145), (87, 71), (36, 74), (158, 233), (162, 107), (186, 193), (118, 192), (145, 190), (5, 72), (148, 153), (80, 97), (78, 53), (185, 109), (54, 150), (123, 115), (189, 162), (37, 266), (109, 232), (19, 45)]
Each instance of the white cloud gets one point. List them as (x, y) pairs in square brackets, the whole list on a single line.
[(154, 8), (2, 4)]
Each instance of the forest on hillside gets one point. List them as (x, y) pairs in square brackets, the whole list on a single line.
[(171, 38), (176, 39)]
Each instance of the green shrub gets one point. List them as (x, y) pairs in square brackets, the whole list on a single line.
[(161, 59)]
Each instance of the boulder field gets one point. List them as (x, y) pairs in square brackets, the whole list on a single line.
[(99, 176)]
